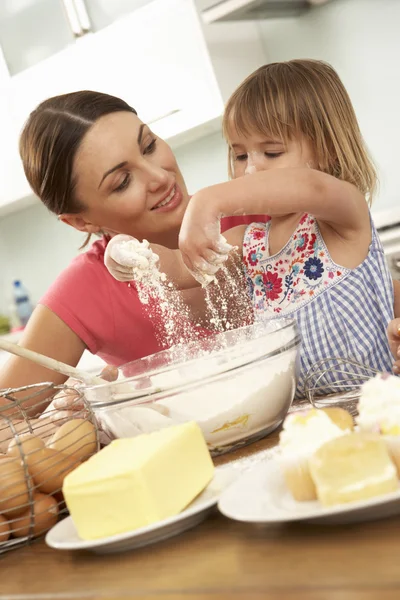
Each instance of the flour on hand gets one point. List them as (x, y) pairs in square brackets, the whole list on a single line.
[(141, 259)]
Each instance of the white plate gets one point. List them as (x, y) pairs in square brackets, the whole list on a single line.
[(261, 496), (63, 536)]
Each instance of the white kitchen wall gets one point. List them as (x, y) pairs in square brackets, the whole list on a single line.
[(204, 162), (34, 247), (359, 37)]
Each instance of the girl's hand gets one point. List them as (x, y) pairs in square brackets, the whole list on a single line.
[(203, 247), (393, 333)]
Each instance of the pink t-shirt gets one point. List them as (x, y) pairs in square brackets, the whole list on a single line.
[(229, 222), (106, 314)]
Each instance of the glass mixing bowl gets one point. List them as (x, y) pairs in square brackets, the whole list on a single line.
[(237, 385)]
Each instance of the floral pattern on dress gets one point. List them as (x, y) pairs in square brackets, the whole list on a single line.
[(284, 282)]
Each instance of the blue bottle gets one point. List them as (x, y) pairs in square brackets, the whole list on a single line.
[(22, 302)]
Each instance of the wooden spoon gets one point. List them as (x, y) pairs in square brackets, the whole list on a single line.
[(50, 363)]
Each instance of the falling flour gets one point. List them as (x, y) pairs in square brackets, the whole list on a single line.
[(226, 298), (160, 299)]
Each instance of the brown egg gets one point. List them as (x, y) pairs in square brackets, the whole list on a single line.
[(25, 447), (59, 498), (14, 495), (45, 514), (49, 469), (76, 438), (4, 529)]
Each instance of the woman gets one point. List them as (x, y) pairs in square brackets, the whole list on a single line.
[(94, 164)]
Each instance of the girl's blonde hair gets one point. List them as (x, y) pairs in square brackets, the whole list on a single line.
[(304, 98)]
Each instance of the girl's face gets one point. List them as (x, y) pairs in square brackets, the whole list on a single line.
[(259, 152), (129, 182)]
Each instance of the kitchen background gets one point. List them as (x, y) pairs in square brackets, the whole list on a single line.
[(359, 37)]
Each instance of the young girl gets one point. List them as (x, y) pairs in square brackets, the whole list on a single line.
[(291, 126)]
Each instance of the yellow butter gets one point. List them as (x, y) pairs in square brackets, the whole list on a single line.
[(137, 481), (352, 467)]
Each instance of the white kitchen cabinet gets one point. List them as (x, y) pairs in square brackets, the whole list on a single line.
[(13, 185), (102, 13), (33, 30), (14, 188), (15, 192), (155, 58)]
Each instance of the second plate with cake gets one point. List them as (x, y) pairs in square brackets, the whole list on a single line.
[(260, 496)]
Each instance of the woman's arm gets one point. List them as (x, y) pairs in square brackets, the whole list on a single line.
[(47, 334)]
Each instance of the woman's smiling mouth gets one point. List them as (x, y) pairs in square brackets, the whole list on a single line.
[(170, 202)]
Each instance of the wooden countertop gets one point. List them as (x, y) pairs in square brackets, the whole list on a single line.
[(221, 560)]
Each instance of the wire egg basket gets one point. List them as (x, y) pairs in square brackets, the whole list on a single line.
[(336, 381), (36, 453)]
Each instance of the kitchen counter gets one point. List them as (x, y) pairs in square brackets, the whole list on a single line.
[(221, 560)]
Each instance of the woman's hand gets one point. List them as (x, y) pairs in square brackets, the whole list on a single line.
[(129, 263), (203, 247), (120, 270), (68, 404), (393, 333)]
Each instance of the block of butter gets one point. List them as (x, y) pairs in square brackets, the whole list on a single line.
[(137, 481)]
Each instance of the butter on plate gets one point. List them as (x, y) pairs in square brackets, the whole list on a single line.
[(137, 481)]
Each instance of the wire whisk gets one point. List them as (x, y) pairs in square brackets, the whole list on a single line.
[(36, 453), (336, 381)]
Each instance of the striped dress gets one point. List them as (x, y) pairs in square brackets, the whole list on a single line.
[(340, 312)]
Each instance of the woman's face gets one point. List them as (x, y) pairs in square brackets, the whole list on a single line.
[(129, 181)]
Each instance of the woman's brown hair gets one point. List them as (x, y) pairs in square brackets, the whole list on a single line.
[(50, 139), (304, 98)]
